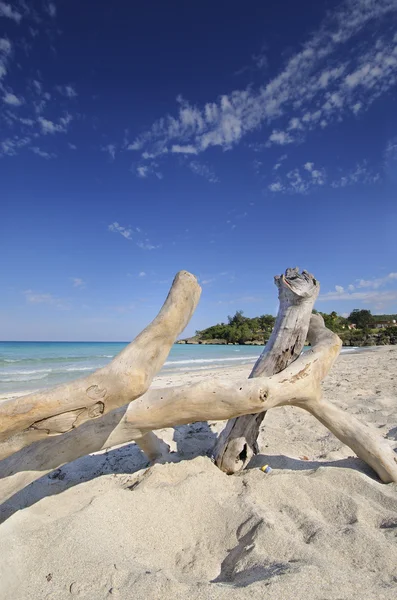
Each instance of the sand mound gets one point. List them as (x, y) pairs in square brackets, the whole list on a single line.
[(187, 530)]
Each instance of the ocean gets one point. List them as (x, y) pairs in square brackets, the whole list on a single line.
[(29, 366)]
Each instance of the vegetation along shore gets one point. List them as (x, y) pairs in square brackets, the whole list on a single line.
[(360, 328)]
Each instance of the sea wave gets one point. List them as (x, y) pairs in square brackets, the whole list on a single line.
[(32, 374), (224, 359), (53, 359)]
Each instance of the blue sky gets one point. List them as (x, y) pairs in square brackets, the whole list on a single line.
[(139, 139)]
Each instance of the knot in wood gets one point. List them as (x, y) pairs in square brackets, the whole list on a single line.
[(96, 410), (263, 394), (94, 392)]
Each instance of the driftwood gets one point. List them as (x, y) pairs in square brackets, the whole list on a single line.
[(59, 410), (38, 434), (297, 293)]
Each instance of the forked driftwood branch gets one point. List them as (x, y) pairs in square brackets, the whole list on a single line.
[(297, 293), (43, 431)]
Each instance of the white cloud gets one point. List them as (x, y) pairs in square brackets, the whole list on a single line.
[(42, 153), (9, 146), (360, 174), (124, 231), (376, 283), (142, 241), (280, 137), (143, 171), (207, 281), (371, 295), (147, 245), (5, 46), (52, 9), (11, 99), (38, 298), (276, 187), (176, 149), (203, 170), (78, 282), (359, 74), (67, 90), (299, 182), (49, 127), (6, 10), (72, 146), (110, 149), (142, 274)]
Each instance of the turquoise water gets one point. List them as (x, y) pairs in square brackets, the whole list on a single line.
[(26, 366)]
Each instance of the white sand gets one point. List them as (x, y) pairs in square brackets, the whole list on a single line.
[(319, 527)]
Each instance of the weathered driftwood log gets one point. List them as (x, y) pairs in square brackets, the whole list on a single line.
[(52, 412), (297, 293), (215, 399)]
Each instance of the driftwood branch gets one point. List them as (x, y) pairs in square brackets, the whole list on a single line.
[(215, 399), (56, 411), (297, 293), (43, 431)]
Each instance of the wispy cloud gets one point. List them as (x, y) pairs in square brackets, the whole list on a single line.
[(12, 99), (177, 149), (144, 170), (77, 282), (142, 274), (371, 295), (49, 127), (38, 298), (67, 90), (42, 153), (203, 170), (298, 180), (110, 149), (376, 283), (139, 236), (51, 9), (361, 173), (347, 87), (26, 112), (6, 10), (124, 231), (10, 146), (147, 245), (281, 138)]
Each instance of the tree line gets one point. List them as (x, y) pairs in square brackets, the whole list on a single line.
[(240, 329)]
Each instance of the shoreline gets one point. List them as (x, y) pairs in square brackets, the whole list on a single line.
[(183, 377)]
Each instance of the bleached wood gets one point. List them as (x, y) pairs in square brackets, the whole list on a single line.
[(297, 293), (56, 411), (216, 399), (152, 446)]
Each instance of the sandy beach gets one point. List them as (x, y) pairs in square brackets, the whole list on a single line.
[(320, 526)]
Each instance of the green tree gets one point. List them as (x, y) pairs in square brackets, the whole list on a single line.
[(237, 319), (266, 322), (362, 319), (244, 333)]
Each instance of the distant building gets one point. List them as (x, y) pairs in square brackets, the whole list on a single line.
[(380, 324)]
